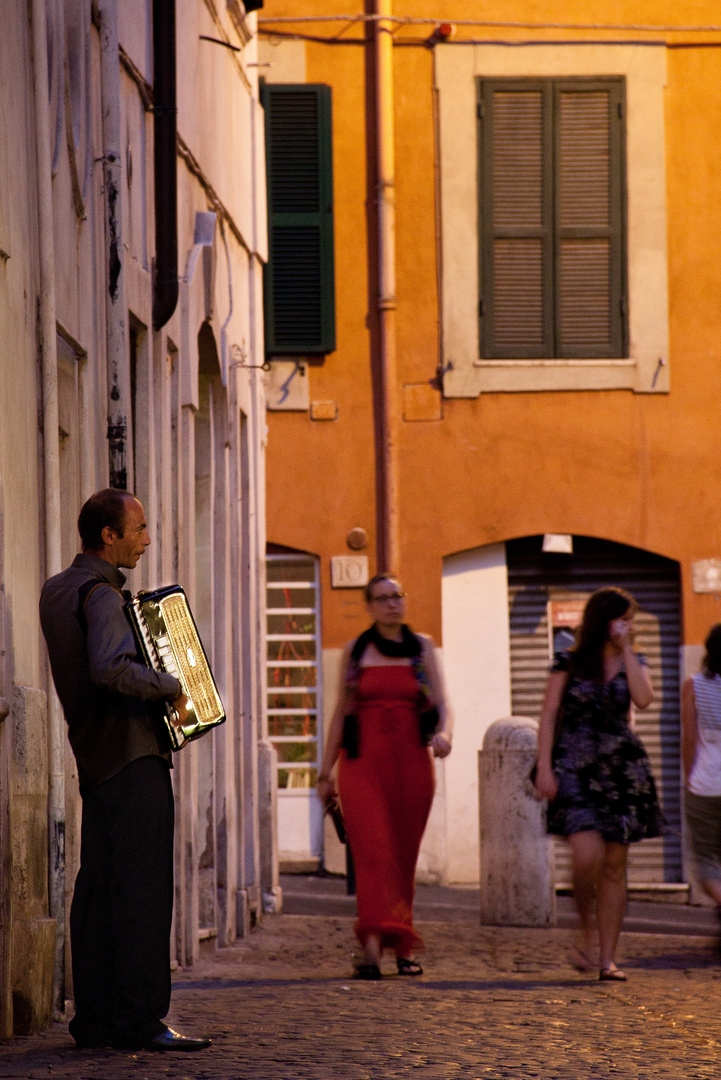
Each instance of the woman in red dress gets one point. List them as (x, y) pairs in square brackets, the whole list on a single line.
[(391, 712)]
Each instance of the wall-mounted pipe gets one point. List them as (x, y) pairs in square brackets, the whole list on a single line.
[(165, 285), (388, 550), (51, 469), (119, 404)]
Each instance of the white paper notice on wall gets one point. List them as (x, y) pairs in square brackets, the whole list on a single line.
[(349, 571), (706, 576), (286, 386)]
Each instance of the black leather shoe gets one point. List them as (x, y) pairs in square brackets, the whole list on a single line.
[(173, 1040)]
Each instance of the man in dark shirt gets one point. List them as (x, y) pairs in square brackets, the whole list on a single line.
[(123, 901)]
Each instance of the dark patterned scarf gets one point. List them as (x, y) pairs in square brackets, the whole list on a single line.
[(409, 647)]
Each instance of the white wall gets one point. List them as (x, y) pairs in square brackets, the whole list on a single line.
[(300, 826), (477, 666)]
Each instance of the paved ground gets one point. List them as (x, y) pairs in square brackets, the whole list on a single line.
[(494, 1003), (326, 895)]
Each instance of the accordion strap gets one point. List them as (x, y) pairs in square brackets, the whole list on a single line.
[(84, 593)]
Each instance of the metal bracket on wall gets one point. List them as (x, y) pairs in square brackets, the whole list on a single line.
[(239, 357), (437, 381)]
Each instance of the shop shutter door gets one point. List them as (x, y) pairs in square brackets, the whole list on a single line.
[(535, 578)]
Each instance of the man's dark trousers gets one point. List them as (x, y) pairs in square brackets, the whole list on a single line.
[(122, 907)]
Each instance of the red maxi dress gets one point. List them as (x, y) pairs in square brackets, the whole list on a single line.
[(386, 794)]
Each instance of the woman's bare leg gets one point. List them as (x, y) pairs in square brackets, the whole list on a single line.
[(713, 888), (372, 950), (611, 901), (587, 854)]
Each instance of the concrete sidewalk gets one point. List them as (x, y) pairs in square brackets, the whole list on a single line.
[(493, 1003), (315, 894)]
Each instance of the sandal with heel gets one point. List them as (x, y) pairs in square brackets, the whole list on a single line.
[(408, 967), (367, 971)]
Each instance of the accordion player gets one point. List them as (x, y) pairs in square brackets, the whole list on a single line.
[(168, 640)]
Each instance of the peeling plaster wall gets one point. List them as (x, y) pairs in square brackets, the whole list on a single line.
[(221, 819)]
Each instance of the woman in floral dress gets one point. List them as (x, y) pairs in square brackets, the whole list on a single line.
[(594, 770)]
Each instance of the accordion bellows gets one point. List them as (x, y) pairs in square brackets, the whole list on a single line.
[(169, 641)]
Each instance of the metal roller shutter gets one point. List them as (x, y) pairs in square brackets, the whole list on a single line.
[(534, 578)]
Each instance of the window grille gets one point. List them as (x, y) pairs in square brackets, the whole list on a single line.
[(293, 684)]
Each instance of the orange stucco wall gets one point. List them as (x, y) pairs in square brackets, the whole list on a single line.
[(639, 469)]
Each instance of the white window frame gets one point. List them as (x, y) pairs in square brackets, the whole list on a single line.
[(318, 710), (646, 369)]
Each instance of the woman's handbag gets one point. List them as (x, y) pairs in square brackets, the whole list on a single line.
[(335, 813)]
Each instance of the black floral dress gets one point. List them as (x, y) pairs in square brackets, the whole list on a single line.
[(604, 777)]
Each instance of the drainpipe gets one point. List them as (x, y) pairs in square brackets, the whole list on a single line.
[(51, 470), (119, 447), (165, 285), (388, 552)]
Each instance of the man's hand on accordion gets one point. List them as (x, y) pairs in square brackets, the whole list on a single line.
[(180, 704)]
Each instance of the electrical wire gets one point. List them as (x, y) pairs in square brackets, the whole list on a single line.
[(419, 42), (409, 20)]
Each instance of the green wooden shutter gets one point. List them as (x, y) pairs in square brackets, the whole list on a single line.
[(299, 277), (551, 190)]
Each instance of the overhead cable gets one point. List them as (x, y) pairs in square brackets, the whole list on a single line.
[(409, 20)]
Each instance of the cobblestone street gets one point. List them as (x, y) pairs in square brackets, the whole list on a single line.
[(493, 1003)]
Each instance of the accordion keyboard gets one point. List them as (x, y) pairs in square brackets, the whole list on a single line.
[(168, 640), (191, 666)]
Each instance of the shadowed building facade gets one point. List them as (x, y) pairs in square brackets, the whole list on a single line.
[(132, 237)]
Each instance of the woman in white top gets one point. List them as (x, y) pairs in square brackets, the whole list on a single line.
[(701, 748)]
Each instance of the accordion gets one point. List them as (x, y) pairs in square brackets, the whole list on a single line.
[(168, 641)]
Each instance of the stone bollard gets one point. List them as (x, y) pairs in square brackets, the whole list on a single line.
[(517, 871)]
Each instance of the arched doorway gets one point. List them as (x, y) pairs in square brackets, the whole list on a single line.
[(504, 607), (545, 591)]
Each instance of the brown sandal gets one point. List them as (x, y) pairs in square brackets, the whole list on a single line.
[(610, 974)]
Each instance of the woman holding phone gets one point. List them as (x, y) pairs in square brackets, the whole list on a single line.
[(594, 770)]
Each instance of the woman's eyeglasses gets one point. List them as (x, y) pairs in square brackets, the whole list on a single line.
[(387, 597)]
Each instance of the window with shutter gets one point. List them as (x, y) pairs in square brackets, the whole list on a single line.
[(552, 246), (299, 276)]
